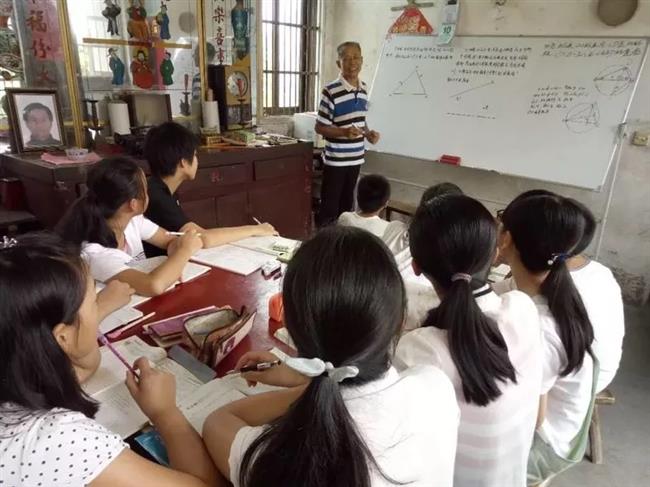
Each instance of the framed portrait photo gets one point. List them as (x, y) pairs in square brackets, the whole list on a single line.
[(36, 120)]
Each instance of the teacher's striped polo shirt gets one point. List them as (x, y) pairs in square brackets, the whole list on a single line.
[(344, 105)]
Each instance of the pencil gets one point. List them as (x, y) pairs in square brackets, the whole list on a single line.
[(119, 331), (102, 338)]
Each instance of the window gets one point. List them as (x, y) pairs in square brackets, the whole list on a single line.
[(290, 55)]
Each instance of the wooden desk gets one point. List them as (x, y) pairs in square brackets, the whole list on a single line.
[(220, 288), (272, 184)]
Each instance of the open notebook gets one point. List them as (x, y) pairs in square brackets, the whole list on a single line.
[(232, 258), (117, 410), (190, 271)]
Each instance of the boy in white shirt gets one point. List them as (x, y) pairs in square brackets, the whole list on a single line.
[(373, 193)]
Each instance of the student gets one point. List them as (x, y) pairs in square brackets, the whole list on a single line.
[(539, 234), (439, 189), (489, 346), (48, 344), (342, 122), (347, 418), (170, 150), (373, 193), (601, 296), (108, 224)]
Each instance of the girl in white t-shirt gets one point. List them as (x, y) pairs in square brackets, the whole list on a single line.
[(539, 234), (48, 345), (347, 418), (601, 296), (489, 346), (108, 223)]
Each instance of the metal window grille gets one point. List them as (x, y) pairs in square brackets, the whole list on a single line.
[(290, 55)]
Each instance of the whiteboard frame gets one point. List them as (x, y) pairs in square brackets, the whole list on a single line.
[(616, 153)]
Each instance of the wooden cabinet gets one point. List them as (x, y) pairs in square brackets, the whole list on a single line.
[(230, 188)]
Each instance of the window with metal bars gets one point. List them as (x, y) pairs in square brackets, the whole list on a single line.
[(290, 55)]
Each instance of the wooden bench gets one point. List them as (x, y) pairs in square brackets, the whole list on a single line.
[(603, 398), (401, 207)]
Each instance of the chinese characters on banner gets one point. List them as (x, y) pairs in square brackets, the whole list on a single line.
[(218, 32), (43, 40)]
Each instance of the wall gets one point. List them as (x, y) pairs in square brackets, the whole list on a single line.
[(623, 205)]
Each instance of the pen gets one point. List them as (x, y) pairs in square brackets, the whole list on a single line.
[(257, 367), (119, 331), (257, 221), (180, 234), (104, 340)]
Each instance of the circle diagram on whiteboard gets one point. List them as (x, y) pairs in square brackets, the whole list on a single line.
[(582, 118), (614, 80)]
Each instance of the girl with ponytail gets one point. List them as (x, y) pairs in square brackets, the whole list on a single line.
[(109, 226), (489, 346), (347, 418), (540, 234)]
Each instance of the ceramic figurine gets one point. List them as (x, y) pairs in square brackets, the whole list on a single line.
[(111, 12), (117, 67), (167, 69), (142, 75), (137, 26), (163, 21), (239, 19)]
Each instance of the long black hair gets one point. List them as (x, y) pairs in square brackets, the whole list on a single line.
[(546, 231), (344, 303), (111, 183), (454, 234), (42, 283)]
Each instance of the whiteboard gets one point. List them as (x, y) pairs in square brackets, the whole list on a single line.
[(535, 107)]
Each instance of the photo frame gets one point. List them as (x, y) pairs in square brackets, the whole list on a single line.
[(36, 121)]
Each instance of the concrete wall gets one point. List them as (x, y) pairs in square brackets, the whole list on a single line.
[(623, 205)]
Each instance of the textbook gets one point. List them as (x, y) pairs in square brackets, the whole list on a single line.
[(117, 410), (219, 392)]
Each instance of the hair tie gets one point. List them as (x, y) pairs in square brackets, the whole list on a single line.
[(314, 367), (8, 242), (557, 258), (461, 276)]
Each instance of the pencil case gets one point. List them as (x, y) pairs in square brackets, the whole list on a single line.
[(210, 336)]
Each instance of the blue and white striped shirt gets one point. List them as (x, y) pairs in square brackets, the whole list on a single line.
[(344, 105)]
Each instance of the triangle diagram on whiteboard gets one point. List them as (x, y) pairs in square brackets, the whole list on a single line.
[(411, 85)]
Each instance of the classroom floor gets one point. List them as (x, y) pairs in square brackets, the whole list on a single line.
[(626, 424)]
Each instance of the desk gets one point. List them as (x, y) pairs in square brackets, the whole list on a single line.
[(272, 184), (220, 288)]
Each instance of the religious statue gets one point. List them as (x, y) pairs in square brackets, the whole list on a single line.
[(167, 69), (117, 67), (163, 21), (137, 25), (239, 19), (142, 75), (111, 12)]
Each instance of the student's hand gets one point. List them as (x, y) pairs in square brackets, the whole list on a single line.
[(190, 241), (372, 136), (155, 391), (263, 230), (115, 295), (278, 375), (352, 132)]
